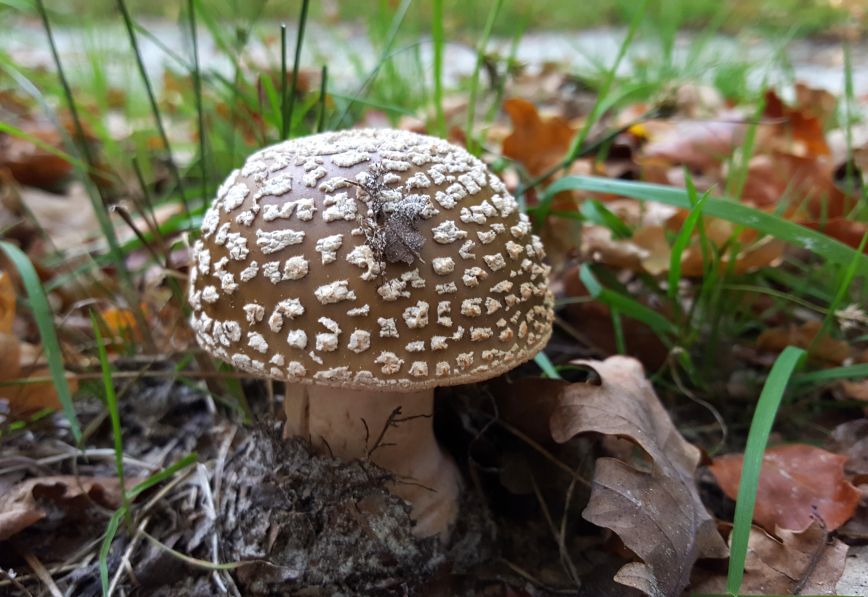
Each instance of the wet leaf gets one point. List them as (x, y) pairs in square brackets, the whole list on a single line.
[(798, 482), (30, 501), (538, 143), (651, 502)]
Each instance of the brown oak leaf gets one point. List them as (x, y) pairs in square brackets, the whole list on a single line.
[(651, 502)]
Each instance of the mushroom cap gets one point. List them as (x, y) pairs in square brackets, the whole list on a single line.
[(369, 258)]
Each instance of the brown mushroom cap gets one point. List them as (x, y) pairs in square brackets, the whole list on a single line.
[(369, 258)]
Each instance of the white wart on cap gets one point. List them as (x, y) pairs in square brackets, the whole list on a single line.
[(366, 259)]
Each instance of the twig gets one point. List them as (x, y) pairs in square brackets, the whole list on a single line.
[(393, 421), (14, 580), (39, 570), (125, 559), (211, 514), (548, 455), (535, 581), (566, 560), (816, 556), (679, 383)]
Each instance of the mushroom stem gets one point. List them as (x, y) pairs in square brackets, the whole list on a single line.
[(394, 430)]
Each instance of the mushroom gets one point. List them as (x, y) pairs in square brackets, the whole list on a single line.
[(365, 268)]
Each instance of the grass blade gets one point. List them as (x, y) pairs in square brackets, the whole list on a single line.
[(106, 545), (625, 305), (112, 403), (683, 238), (97, 200), (152, 100), (114, 521), (323, 86), (391, 35), (730, 211), (474, 79), (299, 39), (757, 438), (284, 121), (45, 323), (438, 39), (197, 92), (834, 374), (544, 362), (843, 288)]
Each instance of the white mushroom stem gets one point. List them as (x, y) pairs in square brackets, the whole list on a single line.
[(402, 442)]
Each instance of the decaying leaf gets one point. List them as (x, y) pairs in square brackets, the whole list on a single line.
[(652, 502), (808, 561), (538, 143), (826, 349), (797, 483), (30, 501)]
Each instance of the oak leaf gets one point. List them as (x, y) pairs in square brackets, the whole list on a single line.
[(806, 561), (537, 143), (651, 502), (29, 501)]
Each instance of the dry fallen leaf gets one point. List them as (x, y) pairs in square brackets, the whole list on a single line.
[(652, 503), (538, 143), (701, 145), (807, 560), (7, 302), (803, 184), (122, 326), (31, 165), (799, 131), (28, 502), (798, 482), (68, 219)]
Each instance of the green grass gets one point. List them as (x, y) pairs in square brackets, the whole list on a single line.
[(112, 405), (833, 250), (466, 18), (237, 113), (122, 512), (757, 439)]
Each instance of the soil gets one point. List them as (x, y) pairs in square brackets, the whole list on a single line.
[(291, 522)]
